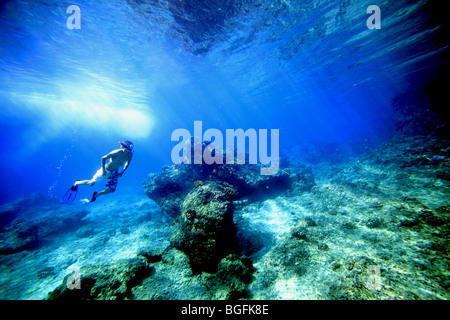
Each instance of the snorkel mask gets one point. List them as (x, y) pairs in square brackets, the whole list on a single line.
[(127, 145)]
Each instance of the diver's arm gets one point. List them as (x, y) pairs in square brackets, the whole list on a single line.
[(125, 166), (104, 158)]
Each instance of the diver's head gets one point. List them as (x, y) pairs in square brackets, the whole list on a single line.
[(127, 145)]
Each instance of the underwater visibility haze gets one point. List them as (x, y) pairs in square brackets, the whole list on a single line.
[(358, 209)]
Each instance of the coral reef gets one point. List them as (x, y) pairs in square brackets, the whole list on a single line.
[(374, 226)]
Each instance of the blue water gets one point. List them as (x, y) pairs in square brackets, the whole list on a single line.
[(138, 70)]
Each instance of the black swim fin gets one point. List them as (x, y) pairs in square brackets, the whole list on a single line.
[(94, 197), (70, 195)]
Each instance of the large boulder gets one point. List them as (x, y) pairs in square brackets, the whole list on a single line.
[(205, 231)]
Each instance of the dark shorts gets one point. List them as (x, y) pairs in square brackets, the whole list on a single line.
[(111, 182)]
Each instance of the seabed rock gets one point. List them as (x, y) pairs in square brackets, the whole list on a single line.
[(206, 231), (173, 278), (231, 280), (109, 281)]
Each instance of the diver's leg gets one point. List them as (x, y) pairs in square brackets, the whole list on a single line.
[(84, 182), (95, 195), (98, 175)]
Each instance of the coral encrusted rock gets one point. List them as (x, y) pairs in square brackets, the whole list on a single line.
[(205, 231)]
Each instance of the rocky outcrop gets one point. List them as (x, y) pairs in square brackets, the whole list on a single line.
[(173, 274), (231, 279), (205, 231), (200, 197), (169, 187)]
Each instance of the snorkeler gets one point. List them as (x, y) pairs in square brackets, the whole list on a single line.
[(108, 171)]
